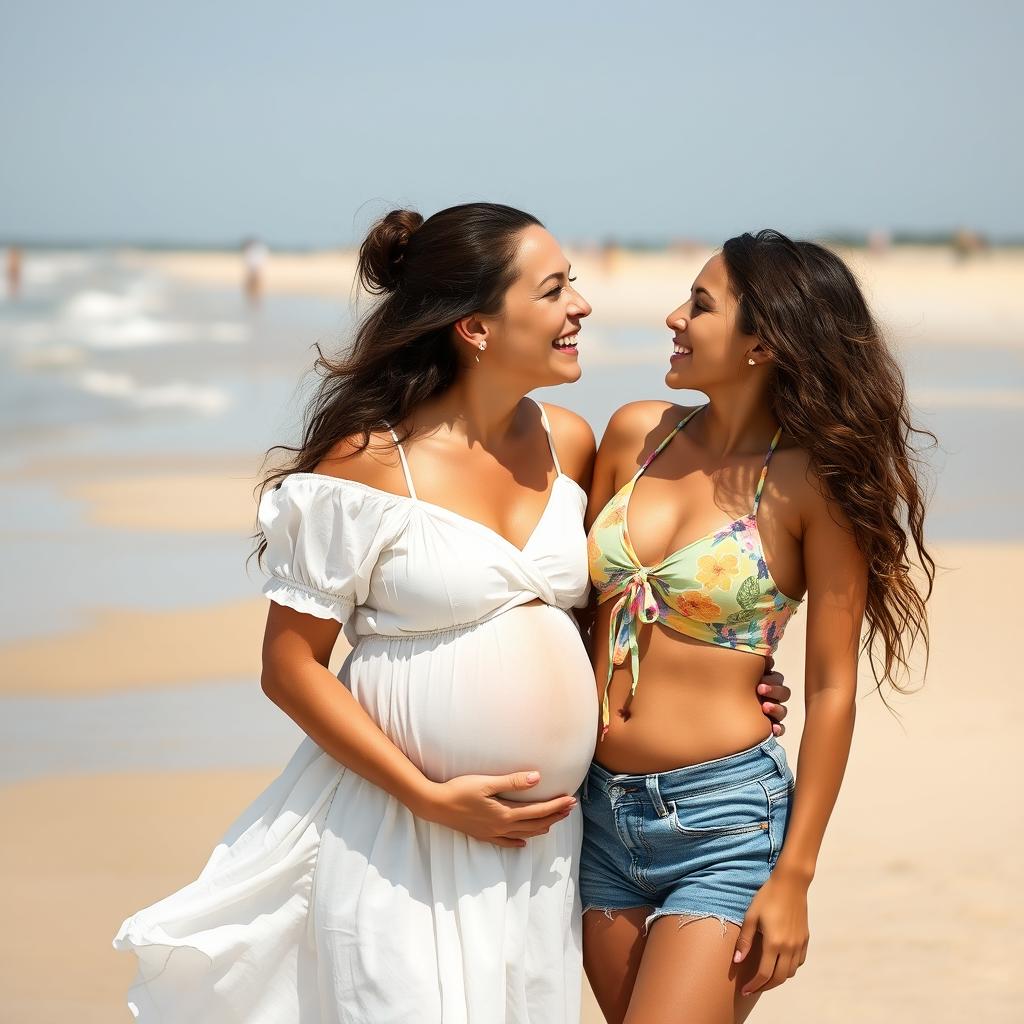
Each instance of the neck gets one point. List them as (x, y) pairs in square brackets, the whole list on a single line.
[(478, 408), (737, 421)]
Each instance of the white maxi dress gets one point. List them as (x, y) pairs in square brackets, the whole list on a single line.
[(327, 901)]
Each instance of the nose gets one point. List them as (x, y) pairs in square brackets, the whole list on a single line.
[(676, 320), (578, 306)]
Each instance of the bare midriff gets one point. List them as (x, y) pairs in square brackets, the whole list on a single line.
[(698, 701)]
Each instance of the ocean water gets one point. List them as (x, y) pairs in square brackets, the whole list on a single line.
[(100, 358)]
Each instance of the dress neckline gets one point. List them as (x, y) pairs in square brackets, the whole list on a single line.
[(442, 511)]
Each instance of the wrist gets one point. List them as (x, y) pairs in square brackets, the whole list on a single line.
[(793, 871), (423, 798)]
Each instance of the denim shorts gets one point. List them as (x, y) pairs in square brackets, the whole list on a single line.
[(696, 841)]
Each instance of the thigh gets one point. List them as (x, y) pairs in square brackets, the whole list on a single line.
[(612, 946), (687, 974)]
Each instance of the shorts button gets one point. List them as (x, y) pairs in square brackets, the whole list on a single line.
[(615, 792)]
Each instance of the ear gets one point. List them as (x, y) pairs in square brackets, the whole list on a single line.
[(759, 353), (471, 330)]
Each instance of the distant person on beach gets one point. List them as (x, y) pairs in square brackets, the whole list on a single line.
[(417, 859), (13, 271), (254, 259), (967, 244)]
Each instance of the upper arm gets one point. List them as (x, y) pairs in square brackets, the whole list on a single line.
[(574, 441), (290, 635), (320, 537), (836, 573)]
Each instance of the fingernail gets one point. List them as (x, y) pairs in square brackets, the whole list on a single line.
[(532, 776), (762, 689), (737, 957)]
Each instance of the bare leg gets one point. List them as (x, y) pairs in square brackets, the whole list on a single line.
[(612, 948), (687, 974)]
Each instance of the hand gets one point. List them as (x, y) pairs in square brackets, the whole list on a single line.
[(773, 694), (470, 804), (779, 913)]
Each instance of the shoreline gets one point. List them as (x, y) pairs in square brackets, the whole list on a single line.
[(922, 295)]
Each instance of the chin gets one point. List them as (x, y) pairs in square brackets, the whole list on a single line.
[(675, 380), (565, 374)]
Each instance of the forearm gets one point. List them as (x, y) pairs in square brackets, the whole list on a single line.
[(824, 751), (326, 711)]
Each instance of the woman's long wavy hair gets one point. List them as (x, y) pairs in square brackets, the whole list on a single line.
[(839, 393), (428, 275)]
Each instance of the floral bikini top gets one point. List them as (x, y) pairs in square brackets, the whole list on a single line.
[(717, 589)]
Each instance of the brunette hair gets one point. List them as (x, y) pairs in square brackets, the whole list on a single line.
[(428, 274), (840, 393)]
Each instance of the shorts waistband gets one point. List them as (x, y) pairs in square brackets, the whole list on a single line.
[(722, 771)]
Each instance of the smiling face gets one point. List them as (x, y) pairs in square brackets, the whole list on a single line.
[(709, 349), (535, 336)]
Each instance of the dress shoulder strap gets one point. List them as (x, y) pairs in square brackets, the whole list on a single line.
[(547, 430), (664, 444), (764, 469), (405, 464)]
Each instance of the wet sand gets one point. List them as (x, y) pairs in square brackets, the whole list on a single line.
[(911, 910), (125, 648)]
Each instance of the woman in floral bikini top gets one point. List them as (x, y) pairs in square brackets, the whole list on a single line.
[(690, 811)]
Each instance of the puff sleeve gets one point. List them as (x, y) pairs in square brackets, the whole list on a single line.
[(319, 540)]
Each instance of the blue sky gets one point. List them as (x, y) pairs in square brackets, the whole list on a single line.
[(648, 120)]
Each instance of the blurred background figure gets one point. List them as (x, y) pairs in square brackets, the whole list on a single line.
[(13, 270), (968, 243), (879, 241), (254, 259)]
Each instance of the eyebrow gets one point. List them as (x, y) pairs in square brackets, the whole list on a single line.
[(560, 273)]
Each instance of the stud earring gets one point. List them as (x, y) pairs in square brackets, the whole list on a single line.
[(750, 362), (480, 345)]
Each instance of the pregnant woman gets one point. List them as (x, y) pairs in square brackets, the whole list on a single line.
[(416, 860), (700, 557)]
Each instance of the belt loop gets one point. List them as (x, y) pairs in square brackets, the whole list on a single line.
[(585, 790), (655, 794)]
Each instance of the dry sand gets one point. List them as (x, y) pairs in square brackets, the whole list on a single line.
[(923, 295), (912, 909)]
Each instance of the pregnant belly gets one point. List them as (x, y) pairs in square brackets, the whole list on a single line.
[(514, 694)]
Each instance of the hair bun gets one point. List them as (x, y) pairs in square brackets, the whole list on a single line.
[(382, 252)]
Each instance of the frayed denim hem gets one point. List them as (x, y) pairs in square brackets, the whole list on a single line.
[(689, 916), (608, 911)]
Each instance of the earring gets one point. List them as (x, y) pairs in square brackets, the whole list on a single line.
[(750, 362), (480, 345)]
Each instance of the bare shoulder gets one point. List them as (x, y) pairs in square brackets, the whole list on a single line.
[(574, 441), (570, 429), (376, 464), (793, 473), (640, 426)]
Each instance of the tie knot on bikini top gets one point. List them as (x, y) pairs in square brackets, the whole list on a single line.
[(716, 589)]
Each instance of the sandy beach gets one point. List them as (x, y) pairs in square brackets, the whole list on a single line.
[(127, 528), (923, 295), (911, 910)]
